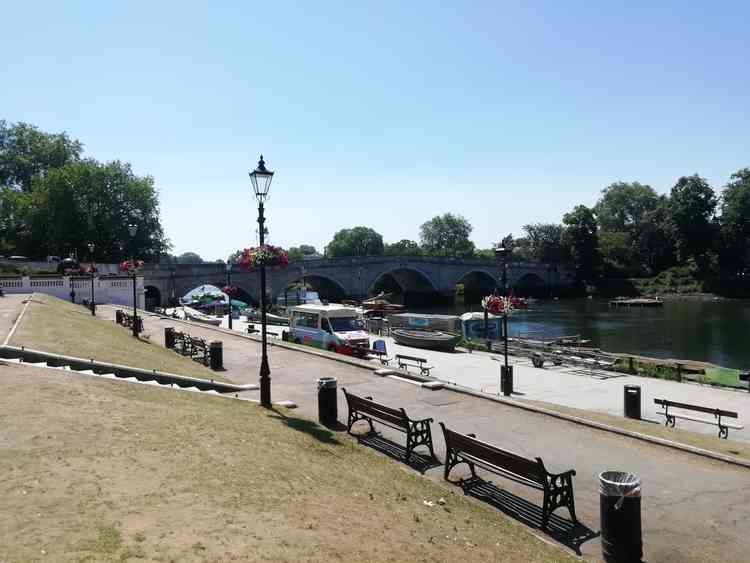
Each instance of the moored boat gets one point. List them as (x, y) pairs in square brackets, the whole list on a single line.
[(430, 340), (193, 315)]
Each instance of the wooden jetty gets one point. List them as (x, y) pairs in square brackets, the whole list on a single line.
[(638, 302)]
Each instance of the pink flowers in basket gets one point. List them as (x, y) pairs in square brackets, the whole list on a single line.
[(130, 265), (266, 255)]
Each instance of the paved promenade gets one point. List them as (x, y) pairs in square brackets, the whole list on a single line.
[(694, 509), (10, 307)]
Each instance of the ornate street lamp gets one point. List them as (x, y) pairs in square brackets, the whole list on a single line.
[(132, 229), (261, 179), (91, 271), (502, 252)]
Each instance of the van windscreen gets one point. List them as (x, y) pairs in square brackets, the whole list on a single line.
[(345, 324)]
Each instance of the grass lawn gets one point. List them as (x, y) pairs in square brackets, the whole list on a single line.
[(57, 326), (712, 443), (725, 376), (99, 470)]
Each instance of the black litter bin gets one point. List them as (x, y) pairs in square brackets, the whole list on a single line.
[(632, 401), (620, 513), (216, 356), (506, 380), (327, 405), (169, 337), (118, 317)]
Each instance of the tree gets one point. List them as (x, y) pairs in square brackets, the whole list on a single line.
[(26, 153), (404, 247), (735, 223), (447, 235), (654, 239), (692, 206), (299, 252), (623, 205), (582, 239), (546, 242), (357, 241), (189, 258)]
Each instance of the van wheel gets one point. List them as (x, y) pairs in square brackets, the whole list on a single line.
[(297, 341)]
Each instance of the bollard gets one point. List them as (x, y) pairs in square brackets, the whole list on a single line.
[(216, 355), (506, 380), (169, 337), (631, 368), (632, 401), (327, 405), (620, 515)]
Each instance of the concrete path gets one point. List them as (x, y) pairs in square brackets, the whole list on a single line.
[(694, 509), (10, 307)]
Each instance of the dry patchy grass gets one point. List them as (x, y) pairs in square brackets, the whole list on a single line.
[(109, 471), (56, 326)]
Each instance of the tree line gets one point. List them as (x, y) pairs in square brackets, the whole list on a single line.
[(55, 201)]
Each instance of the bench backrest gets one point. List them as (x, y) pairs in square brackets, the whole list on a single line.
[(509, 462), (412, 358), (698, 408), (382, 412)]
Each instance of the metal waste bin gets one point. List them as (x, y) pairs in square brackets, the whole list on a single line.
[(506, 380), (118, 317), (632, 401), (327, 405), (620, 514), (169, 337), (216, 355)]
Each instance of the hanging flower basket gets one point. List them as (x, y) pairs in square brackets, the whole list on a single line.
[(229, 289), (267, 255), (498, 305), (130, 265)]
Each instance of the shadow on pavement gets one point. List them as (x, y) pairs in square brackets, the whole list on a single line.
[(318, 432), (417, 461), (563, 530)]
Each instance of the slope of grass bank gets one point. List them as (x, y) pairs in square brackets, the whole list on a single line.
[(60, 327), (109, 471)]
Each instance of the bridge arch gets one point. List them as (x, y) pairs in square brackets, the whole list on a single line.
[(152, 295), (411, 283), (531, 285), (328, 288), (477, 283)]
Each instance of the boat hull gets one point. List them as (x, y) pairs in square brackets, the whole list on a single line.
[(440, 341)]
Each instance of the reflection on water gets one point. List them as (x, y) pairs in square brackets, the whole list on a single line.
[(713, 331)]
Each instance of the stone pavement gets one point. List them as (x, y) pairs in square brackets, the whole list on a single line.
[(10, 307), (694, 509)]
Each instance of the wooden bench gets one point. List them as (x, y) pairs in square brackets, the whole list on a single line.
[(199, 349), (557, 487), (182, 342), (417, 432), (670, 417), (405, 361)]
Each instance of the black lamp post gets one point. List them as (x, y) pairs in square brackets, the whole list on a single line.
[(501, 252), (229, 294), (261, 180), (91, 271), (132, 229)]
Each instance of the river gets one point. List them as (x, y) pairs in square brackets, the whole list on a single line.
[(711, 331)]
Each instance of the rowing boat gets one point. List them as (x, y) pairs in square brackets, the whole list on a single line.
[(430, 340)]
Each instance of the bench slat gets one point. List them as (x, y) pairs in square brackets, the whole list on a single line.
[(697, 408), (704, 420), (503, 460), (377, 410)]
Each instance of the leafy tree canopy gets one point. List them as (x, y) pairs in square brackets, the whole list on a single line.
[(298, 252), (545, 241), (623, 205), (189, 258), (404, 247), (582, 240), (447, 235), (692, 206), (735, 219), (357, 241)]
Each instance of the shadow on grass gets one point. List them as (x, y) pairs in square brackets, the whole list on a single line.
[(417, 461), (310, 427), (564, 530)]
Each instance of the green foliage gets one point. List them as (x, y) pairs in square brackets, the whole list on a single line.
[(188, 258), (546, 243), (692, 206), (404, 247), (298, 252), (735, 224), (54, 203), (624, 205), (447, 235), (582, 240), (357, 241)]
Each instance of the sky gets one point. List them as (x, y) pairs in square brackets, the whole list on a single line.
[(384, 114)]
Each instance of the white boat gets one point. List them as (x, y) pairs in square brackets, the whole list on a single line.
[(193, 315)]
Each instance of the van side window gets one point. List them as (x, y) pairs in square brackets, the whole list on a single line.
[(325, 325), (305, 320)]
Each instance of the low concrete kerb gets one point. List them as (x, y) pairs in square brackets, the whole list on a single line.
[(509, 402)]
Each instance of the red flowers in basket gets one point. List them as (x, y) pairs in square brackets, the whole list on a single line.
[(266, 255), (497, 304), (130, 265), (229, 289)]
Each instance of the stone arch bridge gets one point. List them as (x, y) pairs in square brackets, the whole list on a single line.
[(357, 277)]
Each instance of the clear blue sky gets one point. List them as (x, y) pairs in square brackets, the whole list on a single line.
[(384, 113)]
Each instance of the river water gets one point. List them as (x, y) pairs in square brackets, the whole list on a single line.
[(711, 331)]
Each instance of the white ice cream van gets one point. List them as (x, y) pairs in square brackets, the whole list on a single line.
[(332, 327)]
